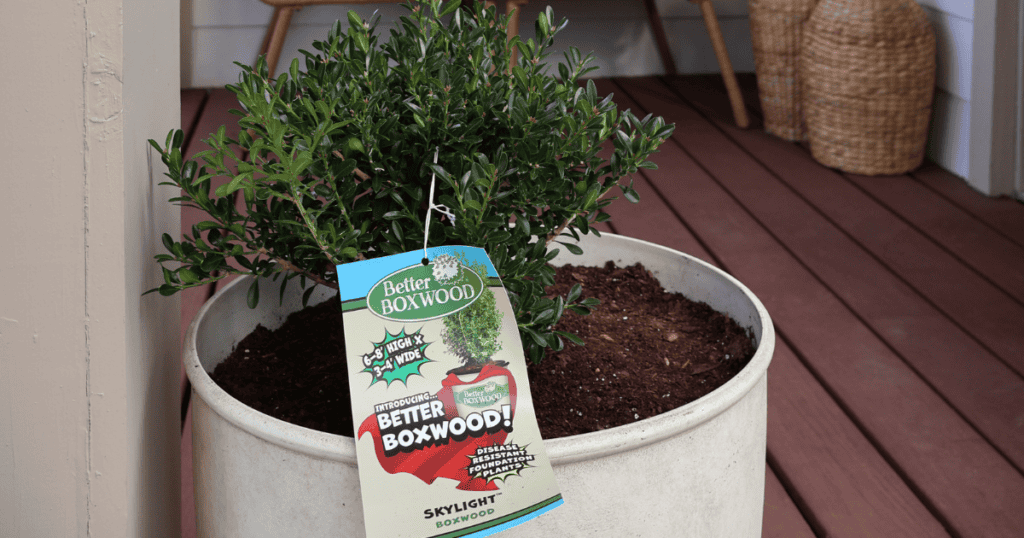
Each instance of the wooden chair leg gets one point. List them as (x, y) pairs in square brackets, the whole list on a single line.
[(269, 32), (659, 37), (276, 32), (513, 8), (739, 111)]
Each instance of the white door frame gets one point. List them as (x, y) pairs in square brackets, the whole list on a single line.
[(995, 97)]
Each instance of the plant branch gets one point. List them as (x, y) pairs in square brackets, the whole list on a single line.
[(296, 198), (286, 265), (558, 232), (362, 175)]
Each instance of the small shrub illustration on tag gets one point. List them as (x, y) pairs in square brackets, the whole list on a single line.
[(446, 438)]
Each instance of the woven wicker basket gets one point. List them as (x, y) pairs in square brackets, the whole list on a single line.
[(775, 29), (867, 71)]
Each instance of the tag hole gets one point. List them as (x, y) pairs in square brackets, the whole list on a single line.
[(425, 261)]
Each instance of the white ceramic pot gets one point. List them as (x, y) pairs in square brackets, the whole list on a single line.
[(696, 471)]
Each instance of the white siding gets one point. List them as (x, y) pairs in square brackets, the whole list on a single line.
[(949, 140), (958, 8), (950, 136), (618, 33)]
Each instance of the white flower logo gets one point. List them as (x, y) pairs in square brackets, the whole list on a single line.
[(445, 268)]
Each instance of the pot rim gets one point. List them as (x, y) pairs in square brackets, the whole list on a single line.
[(560, 450)]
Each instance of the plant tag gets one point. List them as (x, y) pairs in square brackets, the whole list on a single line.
[(446, 438)]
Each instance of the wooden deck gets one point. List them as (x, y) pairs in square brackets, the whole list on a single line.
[(896, 393)]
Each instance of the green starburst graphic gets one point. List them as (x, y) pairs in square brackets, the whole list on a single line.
[(397, 357)]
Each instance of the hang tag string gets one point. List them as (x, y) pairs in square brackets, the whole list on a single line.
[(430, 206)]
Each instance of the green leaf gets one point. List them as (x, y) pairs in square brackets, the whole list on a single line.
[(363, 42), (537, 338), (542, 27), (354, 20), (630, 194), (536, 353), (188, 276), (498, 237), (582, 224), (232, 186), (351, 145), (280, 293), (570, 337), (524, 223), (214, 237), (307, 294), (301, 162), (212, 263), (592, 194), (574, 293), (169, 277), (449, 8), (168, 242), (545, 317), (396, 229), (572, 248), (559, 308), (252, 298), (244, 262)]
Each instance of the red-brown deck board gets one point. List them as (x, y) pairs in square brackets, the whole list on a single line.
[(994, 257), (1001, 214), (989, 394), (896, 395), (926, 439)]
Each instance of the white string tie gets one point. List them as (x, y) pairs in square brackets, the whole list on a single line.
[(430, 206)]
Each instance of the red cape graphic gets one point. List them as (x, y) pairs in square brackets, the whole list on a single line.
[(444, 461)]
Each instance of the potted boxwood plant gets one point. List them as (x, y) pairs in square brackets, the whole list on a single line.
[(335, 167)]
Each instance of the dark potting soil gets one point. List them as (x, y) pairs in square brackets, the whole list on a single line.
[(647, 351)]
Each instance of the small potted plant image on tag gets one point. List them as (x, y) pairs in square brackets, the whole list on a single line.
[(438, 380), (472, 335)]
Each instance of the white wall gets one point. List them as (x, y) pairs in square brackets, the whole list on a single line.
[(616, 30), (88, 368), (949, 140), (977, 123)]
